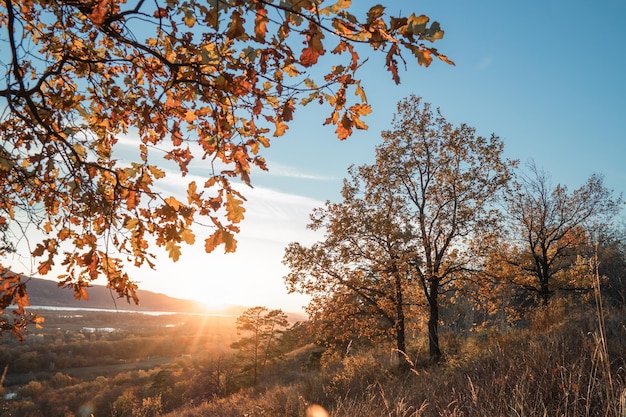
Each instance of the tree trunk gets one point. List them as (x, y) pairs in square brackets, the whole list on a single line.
[(544, 293), (544, 290), (403, 364), (256, 355), (544, 279), (433, 322)]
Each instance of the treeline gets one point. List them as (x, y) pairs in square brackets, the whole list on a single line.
[(442, 229), (88, 340), (125, 394), (87, 349)]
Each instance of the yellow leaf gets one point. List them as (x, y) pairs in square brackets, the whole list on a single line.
[(210, 182), (80, 150), (47, 227), (264, 141), (291, 70), (156, 172), (173, 203), (190, 116), (417, 24), (310, 83), (189, 18), (38, 321), (131, 223), (280, 128), (359, 124), (335, 8), (188, 237), (234, 209), (174, 250), (375, 12), (360, 92), (361, 109)]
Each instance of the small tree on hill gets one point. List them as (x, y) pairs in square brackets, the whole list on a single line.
[(262, 328)]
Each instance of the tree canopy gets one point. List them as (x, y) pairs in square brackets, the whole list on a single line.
[(449, 179), (263, 329), (404, 231), (357, 274), (180, 80), (550, 226)]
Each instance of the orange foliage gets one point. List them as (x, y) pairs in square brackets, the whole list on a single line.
[(196, 80)]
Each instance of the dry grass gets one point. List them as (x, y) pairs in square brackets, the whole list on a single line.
[(564, 364), (565, 369)]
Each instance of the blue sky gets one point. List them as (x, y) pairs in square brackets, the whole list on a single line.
[(547, 76)]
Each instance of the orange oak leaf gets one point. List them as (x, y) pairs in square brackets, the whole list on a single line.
[(309, 56), (235, 28), (260, 24), (99, 12), (173, 250), (234, 208)]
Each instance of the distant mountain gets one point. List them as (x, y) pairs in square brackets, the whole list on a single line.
[(46, 293), (43, 292)]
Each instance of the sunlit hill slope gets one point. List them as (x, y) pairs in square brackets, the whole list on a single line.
[(43, 292)]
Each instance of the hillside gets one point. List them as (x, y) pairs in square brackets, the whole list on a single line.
[(43, 292)]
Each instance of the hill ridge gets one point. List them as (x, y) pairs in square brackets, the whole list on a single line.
[(47, 293)]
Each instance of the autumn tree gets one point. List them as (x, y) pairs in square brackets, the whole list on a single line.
[(429, 192), (262, 328), (177, 81), (13, 291), (550, 227), (500, 300), (448, 179), (357, 274)]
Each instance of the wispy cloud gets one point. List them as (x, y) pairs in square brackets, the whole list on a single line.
[(128, 148), (286, 171), (253, 275)]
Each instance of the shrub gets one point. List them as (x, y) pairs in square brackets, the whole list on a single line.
[(355, 374)]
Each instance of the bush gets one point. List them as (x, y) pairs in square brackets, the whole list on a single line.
[(354, 374)]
